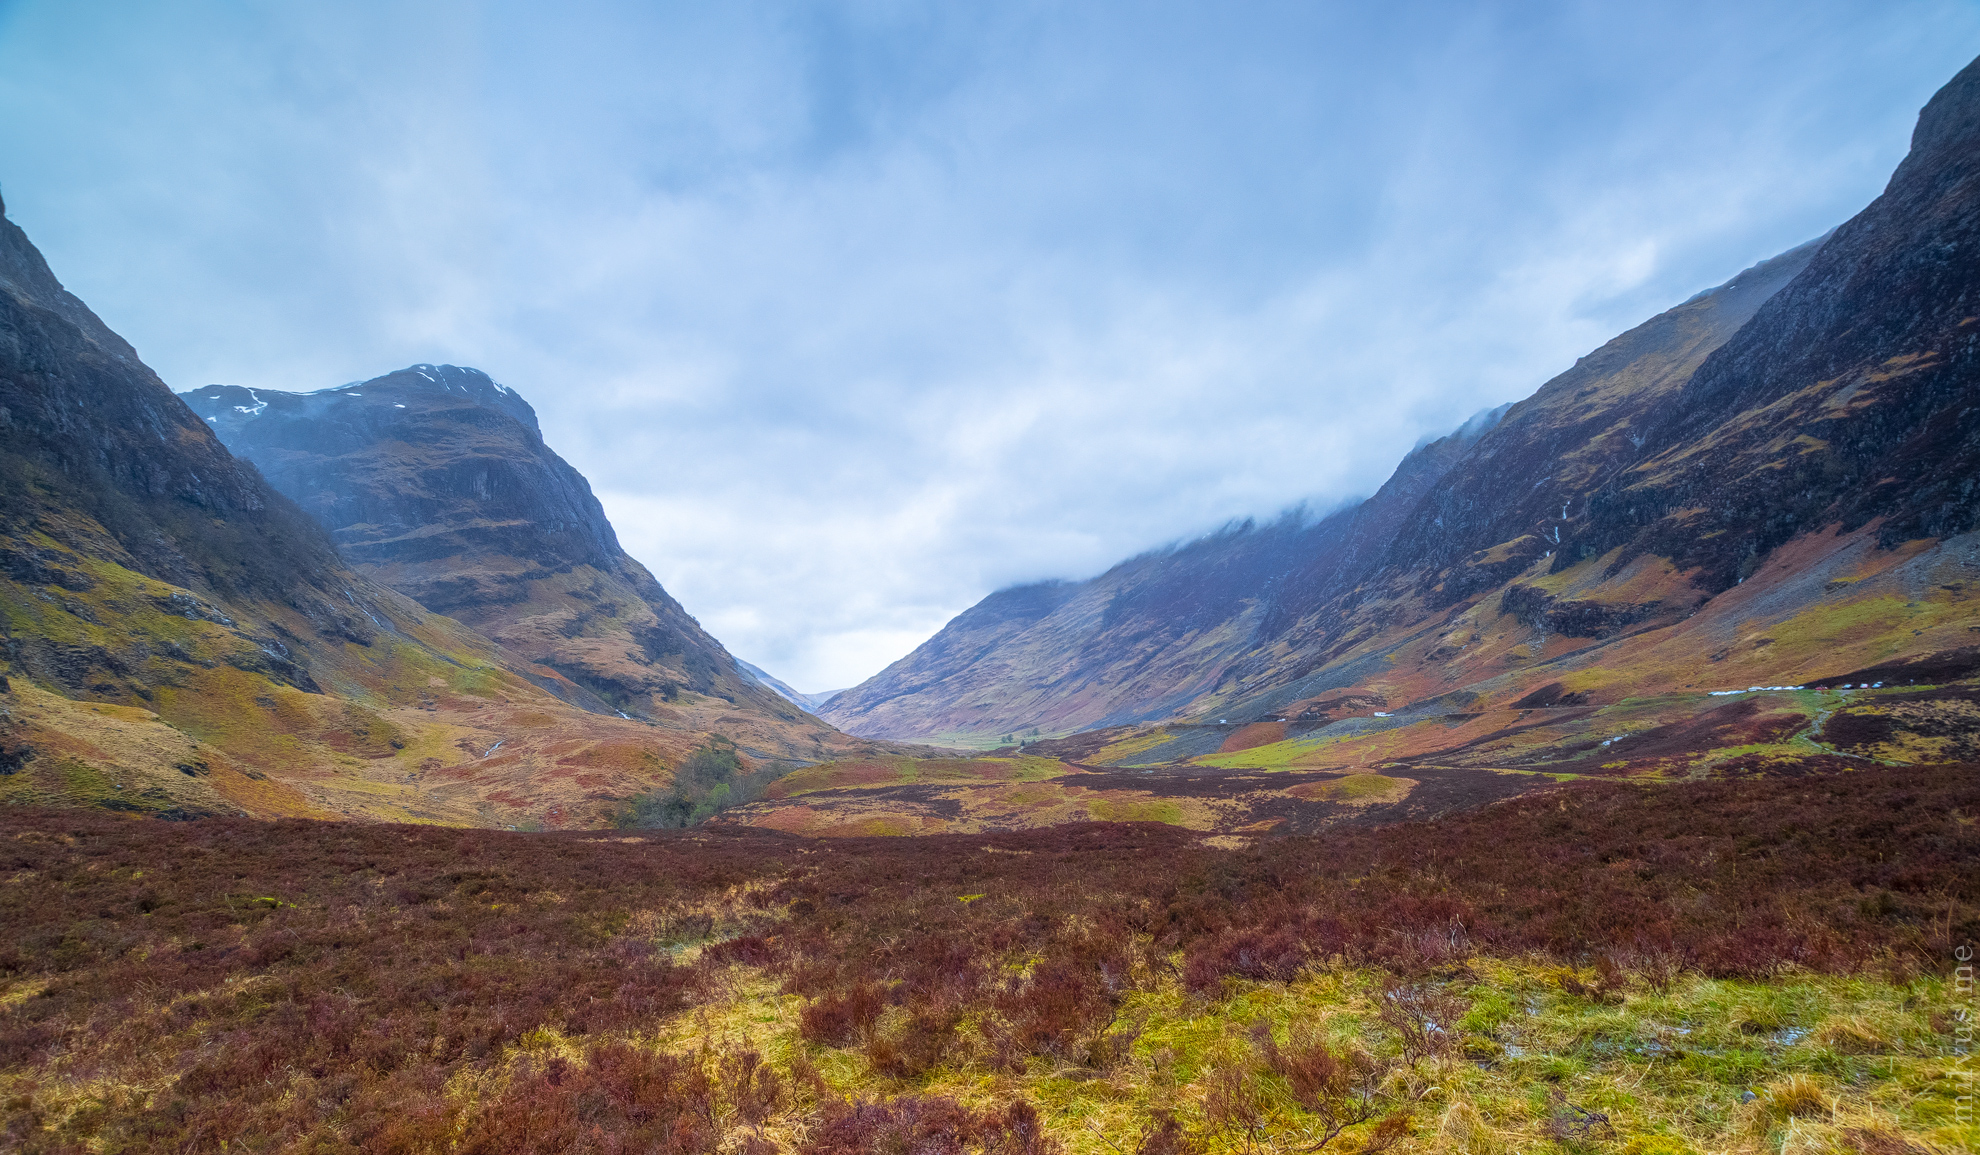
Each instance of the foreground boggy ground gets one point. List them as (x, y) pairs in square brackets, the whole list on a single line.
[(1762, 965)]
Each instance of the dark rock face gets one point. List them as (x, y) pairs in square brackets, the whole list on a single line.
[(1853, 395), (418, 470), (100, 462), (87, 427), (1532, 475), (1574, 618), (436, 481)]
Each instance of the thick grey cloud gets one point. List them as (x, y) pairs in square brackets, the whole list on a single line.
[(855, 312)]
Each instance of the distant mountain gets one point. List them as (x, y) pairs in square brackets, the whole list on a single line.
[(181, 639), (798, 698), (1772, 483), (1143, 640), (436, 481)]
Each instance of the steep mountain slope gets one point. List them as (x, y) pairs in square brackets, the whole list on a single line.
[(435, 480), (1157, 635), (1820, 462), (100, 461), (1771, 484), (181, 639), (1848, 399)]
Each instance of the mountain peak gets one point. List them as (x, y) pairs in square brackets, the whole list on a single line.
[(401, 394), (1950, 120), (386, 462), (449, 382), (435, 480)]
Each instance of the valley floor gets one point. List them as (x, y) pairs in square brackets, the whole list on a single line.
[(1764, 965), (1245, 780)]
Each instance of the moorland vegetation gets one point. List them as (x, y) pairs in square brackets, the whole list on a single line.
[(1732, 965)]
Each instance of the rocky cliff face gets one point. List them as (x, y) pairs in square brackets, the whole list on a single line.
[(436, 481), (1759, 438), (100, 463), (418, 470), (1850, 398)]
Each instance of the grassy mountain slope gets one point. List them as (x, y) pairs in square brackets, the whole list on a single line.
[(435, 480), (1771, 485), (180, 639)]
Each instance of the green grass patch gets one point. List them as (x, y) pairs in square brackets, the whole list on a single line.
[(1124, 751), (1275, 756), (67, 781)]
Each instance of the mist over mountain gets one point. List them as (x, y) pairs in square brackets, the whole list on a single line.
[(1160, 635), (1826, 395)]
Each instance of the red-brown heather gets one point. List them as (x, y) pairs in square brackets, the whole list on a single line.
[(308, 986)]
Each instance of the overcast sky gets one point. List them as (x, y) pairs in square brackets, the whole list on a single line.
[(853, 313)]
